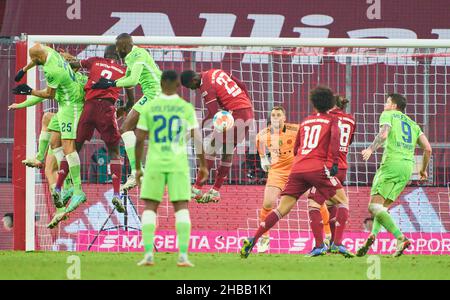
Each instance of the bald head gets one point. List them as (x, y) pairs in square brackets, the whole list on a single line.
[(38, 54), (124, 44)]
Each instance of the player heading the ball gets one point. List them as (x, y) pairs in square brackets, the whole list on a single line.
[(220, 91)]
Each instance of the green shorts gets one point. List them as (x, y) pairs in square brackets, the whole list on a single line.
[(140, 105), (391, 179), (178, 185), (66, 120)]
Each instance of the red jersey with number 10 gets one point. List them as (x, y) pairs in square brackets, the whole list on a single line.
[(102, 67), (318, 134), (346, 124), (230, 93)]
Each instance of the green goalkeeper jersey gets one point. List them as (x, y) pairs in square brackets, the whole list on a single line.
[(402, 139), (142, 69), (60, 76), (167, 120)]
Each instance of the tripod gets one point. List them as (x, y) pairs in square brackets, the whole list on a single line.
[(125, 198)]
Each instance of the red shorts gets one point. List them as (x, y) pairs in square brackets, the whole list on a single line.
[(299, 183), (99, 114), (318, 197), (243, 121)]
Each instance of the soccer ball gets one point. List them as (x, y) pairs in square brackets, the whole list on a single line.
[(223, 120)]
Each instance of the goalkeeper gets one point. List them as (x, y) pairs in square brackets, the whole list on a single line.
[(399, 134)]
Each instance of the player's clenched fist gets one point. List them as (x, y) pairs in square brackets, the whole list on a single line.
[(13, 106), (22, 89), (104, 83)]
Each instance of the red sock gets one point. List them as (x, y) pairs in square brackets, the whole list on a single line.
[(116, 174), (332, 210), (341, 221), (210, 161), (62, 173), (222, 174), (270, 221), (316, 224), (263, 213)]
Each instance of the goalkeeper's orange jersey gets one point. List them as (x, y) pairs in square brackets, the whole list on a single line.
[(280, 145)]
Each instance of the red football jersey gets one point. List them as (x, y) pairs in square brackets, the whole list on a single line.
[(318, 134), (102, 67), (228, 91), (347, 125)]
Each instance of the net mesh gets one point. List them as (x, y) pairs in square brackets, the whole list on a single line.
[(274, 76)]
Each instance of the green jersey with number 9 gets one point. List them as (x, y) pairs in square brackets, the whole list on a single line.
[(402, 139), (167, 120)]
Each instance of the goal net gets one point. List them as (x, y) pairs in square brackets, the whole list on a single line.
[(280, 72)]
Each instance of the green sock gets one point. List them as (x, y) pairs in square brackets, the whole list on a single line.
[(183, 227), (148, 230), (44, 139), (376, 227), (385, 219), (74, 169), (131, 159), (67, 182), (129, 139)]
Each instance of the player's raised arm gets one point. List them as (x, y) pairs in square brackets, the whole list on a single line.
[(426, 147), (31, 101)]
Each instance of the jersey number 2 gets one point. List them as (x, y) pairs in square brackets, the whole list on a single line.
[(232, 88)]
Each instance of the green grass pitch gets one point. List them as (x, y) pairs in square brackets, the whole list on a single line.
[(54, 265)]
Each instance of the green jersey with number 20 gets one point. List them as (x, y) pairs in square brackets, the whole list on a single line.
[(167, 120)]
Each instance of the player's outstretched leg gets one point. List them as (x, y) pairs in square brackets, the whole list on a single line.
[(129, 139), (79, 196), (213, 195), (342, 214), (196, 191), (366, 247)]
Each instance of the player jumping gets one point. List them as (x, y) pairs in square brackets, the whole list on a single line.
[(346, 124), (399, 134), (62, 85), (100, 113), (220, 91), (167, 120), (141, 69), (318, 133)]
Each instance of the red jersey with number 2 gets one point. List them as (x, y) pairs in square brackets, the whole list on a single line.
[(347, 125), (102, 67), (318, 134), (230, 93)]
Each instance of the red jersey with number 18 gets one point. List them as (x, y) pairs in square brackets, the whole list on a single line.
[(102, 67), (318, 134), (228, 91)]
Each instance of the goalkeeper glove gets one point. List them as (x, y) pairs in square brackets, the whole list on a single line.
[(103, 84), (22, 89), (265, 163), (334, 170), (19, 75)]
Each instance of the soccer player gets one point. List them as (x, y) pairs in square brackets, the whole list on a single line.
[(62, 85), (167, 120), (141, 69), (278, 139), (220, 91), (346, 124), (100, 113), (399, 134), (317, 134)]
